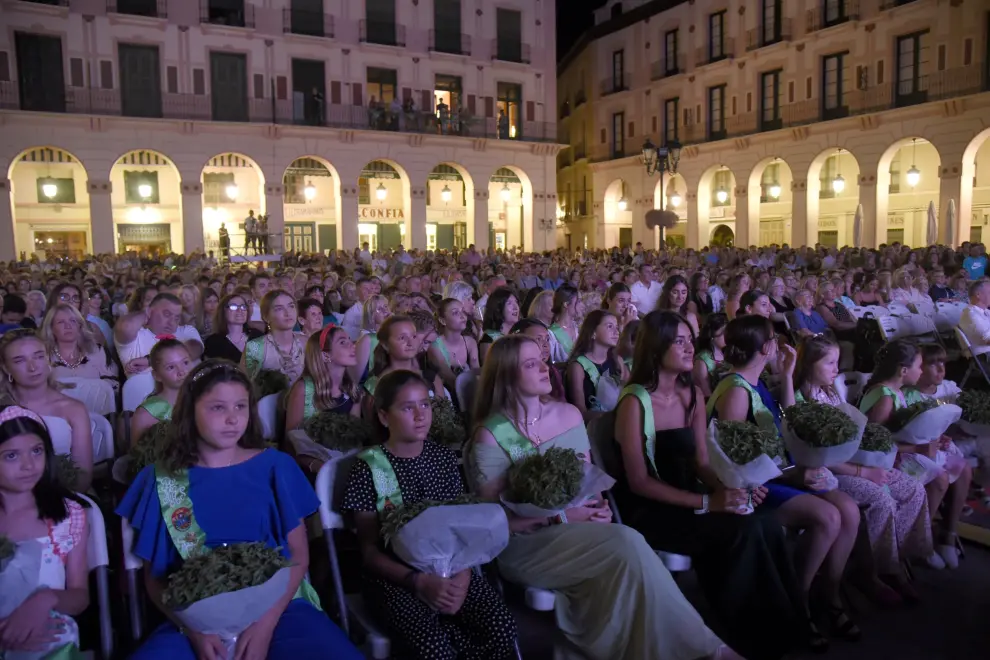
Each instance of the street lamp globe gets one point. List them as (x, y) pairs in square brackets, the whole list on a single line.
[(623, 204), (232, 191), (445, 194), (309, 192), (775, 191), (506, 193), (838, 184), (49, 189), (144, 190), (675, 200), (913, 176), (380, 192), (722, 195)]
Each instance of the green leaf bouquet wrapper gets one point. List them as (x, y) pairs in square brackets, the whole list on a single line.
[(148, 450), (67, 471), (328, 435), (544, 485), (819, 436), (923, 422), (447, 427), (877, 448), (270, 381), (226, 589), (743, 455), (975, 416)]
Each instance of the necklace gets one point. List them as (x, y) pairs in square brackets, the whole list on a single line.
[(289, 359), (239, 341), (526, 425), (64, 361)]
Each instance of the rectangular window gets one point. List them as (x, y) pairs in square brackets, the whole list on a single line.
[(508, 35), (76, 72), (967, 52), (228, 86), (380, 25), (618, 70), (259, 85), (140, 187), (879, 72), (716, 36), (4, 67), (106, 74), (215, 187), (447, 26), (716, 112), (912, 57), (199, 82), (618, 135), (65, 191), (833, 92), (670, 112), (770, 32), (140, 80), (835, 12), (509, 102), (770, 100), (40, 77), (172, 79), (941, 57), (382, 84), (671, 65)]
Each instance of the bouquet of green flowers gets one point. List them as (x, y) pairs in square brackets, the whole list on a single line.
[(66, 471), (447, 427), (901, 417), (328, 435), (975, 416), (270, 381), (148, 450), (743, 455), (224, 590), (923, 422), (7, 550), (819, 436), (544, 485), (877, 448), (445, 538)]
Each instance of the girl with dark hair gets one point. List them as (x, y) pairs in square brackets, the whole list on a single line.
[(674, 298), (326, 382), (709, 356), (618, 599), (618, 301), (399, 349), (699, 294), (170, 362), (539, 333), (568, 312), (36, 508), (432, 617), (217, 456), (210, 302), (893, 504), (667, 482), (453, 351), (280, 349), (501, 313), (830, 520), (593, 358)]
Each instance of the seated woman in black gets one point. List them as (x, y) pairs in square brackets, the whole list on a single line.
[(593, 357), (669, 494)]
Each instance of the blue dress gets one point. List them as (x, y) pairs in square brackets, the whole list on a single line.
[(777, 493), (261, 499)]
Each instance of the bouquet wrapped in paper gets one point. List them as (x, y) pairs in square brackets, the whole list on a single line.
[(445, 538), (923, 422), (270, 381), (877, 448), (20, 574), (743, 456), (66, 471), (448, 424), (148, 449), (819, 436), (545, 485), (328, 435), (225, 590), (974, 416)]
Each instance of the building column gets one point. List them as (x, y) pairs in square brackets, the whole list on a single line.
[(416, 238), (950, 187), (101, 216), (747, 218), (275, 211), (347, 220), (804, 228), (192, 216), (480, 221), (871, 212), (8, 251), (640, 232), (697, 229)]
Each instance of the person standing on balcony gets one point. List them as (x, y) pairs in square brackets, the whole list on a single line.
[(224, 236), (443, 114), (316, 117), (250, 226), (262, 229), (503, 126)]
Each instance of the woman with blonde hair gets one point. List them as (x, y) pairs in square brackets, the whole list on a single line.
[(192, 311), (464, 292), (376, 309), (281, 349), (73, 347)]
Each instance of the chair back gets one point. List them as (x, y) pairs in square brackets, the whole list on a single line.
[(268, 414), (964, 344), (131, 561), (898, 309), (137, 388), (857, 311), (96, 545), (849, 385), (464, 387), (890, 328), (60, 432), (877, 310), (601, 437), (96, 394), (102, 432), (924, 308), (331, 481)]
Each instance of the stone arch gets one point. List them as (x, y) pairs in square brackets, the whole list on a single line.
[(310, 205), (715, 202), (232, 186), (900, 206), (385, 195), (146, 202), (832, 207), (770, 200), (451, 221), (513, 209), (978, 148)]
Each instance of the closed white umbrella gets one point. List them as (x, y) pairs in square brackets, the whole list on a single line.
[(931, 234), (950, 224), (858, 227)]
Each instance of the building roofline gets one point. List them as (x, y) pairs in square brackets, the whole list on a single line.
[(627, 19)]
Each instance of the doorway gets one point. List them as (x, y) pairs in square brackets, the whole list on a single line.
[(722, 237), (299, 236)]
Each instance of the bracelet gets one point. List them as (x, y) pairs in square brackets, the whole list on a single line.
[(859, 470)]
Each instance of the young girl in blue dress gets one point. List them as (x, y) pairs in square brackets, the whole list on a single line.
[(240, 492)]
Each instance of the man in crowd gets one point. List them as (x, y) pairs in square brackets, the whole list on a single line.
[(976, 263), (646, 291), (250, 227), (260, 285), (491, 284), (352, 317), (975, 319), (136, 333)]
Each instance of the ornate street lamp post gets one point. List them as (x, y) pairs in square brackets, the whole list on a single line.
[(663, 159)]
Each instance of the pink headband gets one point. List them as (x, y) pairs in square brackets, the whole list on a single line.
[(13, 412)]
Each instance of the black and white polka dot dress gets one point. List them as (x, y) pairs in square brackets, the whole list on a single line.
[(483, 629)]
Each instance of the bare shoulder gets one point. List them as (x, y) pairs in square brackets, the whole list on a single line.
[(69, 408), (564, 413), (483, 436)]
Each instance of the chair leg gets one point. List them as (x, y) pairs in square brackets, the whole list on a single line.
[(134, 606), (338, 585), (103, 601), (969, 370)]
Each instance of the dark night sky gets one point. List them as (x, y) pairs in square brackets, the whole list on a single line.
[(573, 18)]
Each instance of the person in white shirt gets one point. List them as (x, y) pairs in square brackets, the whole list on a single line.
[(136, 333), (646, 291), (365, 254), (352, 321), (402, 255), (491, 284), (260, 285), (975, 319)]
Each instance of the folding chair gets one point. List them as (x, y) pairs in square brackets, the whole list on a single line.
[(60, 432), (136, 389), (132, 568), (102, 431), (891, 328), (330, 483), (96, 394), (849, 385), (857, 311), (268, 414), (99, 563), (974, 360)]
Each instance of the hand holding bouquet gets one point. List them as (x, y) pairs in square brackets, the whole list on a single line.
[(877, 448), (818, 436), (743, 456), (545, 485)]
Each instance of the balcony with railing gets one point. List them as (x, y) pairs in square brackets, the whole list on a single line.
[(54, 3), (385, 33), (767, 35), (233, 14), (575, 204), (826, 16), (149, 8), (580, 98), (510, 50), (890, 4), (614, 84), (450, 41), (307, 22), (713, 52), (664, 68)]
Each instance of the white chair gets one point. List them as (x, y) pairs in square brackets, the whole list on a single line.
[(849, 385), (898, 309), (857, 311), (136, 390), (102, 431), (268, 414), (924, 308), (132, 567), (891, 328), (975, 362), (948, 315), (877, 310), (60, 432), (99, 564), (96, 394), (330, 483), (465, 386)]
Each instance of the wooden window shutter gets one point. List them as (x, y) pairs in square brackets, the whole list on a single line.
[(199, 82), (259, 85), (530, 111), (4, 66), (76, 72), (281, 88), (654, 124), (335, 92), (967, 52), (106, 74), (172, 79), (406, 94), (790, 91), (941, 57), (734, 108), (697, 111), (879, 72), (807, 88), (489, 106), (749, 101), (632, 129), (426, 100), (357, 94), (604, 136), (472, 104)]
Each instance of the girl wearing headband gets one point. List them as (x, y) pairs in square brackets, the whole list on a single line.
[(326, 382)]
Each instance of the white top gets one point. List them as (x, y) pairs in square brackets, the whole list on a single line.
[(145, 340), (645, 298), (947, 389), (352, 320), (975, 324)]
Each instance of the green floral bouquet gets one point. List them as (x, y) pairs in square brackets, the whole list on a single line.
[(743, 455), (339, 432), (544, 485), (975, 416), (395, 519), (148, 450), (877, 448), (66, 471), (270, 381), (818, 436), (923, 422), (901, 417), (224, 590), (448, 424)]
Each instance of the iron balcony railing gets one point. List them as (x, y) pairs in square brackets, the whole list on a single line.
[(307, 22)]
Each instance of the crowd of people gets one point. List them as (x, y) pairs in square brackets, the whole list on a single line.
[(642, 346)]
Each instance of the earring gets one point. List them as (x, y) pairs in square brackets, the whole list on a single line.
[(10, 378)]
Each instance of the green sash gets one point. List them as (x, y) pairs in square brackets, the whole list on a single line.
[(508, 437), (494, 334), (309, 407), (370, 384), (628, 363), (762, 415), (254, 356), (590, 368), (871, 398), (649, 426), (563, 338), (708, 358), (187, 536), (158, 408), (386, 483), (66, 652), (373, 341)]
